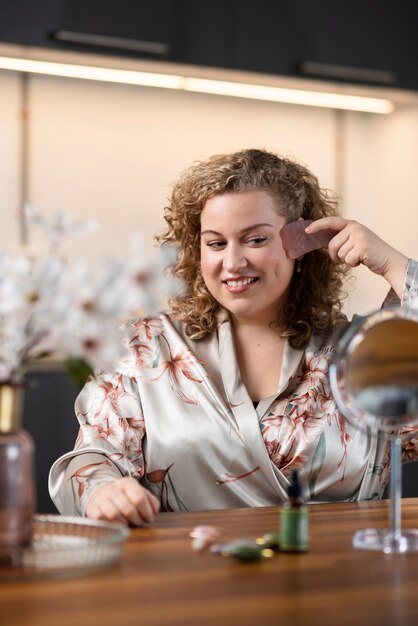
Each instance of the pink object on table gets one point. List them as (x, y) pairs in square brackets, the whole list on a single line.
[(203, 537), (296, 242)]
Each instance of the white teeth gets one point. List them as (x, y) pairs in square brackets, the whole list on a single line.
[(240, 283)]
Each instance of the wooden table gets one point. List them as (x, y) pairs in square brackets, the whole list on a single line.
[(160, 580)]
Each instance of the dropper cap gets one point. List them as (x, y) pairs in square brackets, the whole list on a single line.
[(295, 488)]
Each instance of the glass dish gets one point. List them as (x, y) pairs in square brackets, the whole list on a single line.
[(65, 547)]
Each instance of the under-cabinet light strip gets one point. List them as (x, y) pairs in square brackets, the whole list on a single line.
[(201, 85)]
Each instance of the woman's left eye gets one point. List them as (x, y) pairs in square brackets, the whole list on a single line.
[(216, 244), (257, 241)]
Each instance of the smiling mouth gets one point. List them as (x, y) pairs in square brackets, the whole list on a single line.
[(242, 282)]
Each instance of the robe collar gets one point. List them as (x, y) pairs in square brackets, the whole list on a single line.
[(240, 403)]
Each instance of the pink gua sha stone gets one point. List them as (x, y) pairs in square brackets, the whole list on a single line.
[(296, 242)]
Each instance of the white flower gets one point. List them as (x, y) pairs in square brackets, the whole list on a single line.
[(59, 226), (97, 341), (50, 307), (148, 279)]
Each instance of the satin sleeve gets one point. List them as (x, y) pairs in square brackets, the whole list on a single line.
[(410, 287), (108, 446), (410, 299), (78, 480)]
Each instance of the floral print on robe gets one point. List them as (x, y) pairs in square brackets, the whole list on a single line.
[(177, 416)]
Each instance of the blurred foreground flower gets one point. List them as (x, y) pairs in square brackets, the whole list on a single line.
[(50, 307)]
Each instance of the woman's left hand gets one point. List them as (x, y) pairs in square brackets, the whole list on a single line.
[(355, 244)]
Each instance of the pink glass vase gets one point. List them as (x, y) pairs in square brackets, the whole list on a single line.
[(17, 481)]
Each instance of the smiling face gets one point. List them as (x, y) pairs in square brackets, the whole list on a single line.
[(243, 262)]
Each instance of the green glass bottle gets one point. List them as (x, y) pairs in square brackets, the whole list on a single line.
[(294, 519)]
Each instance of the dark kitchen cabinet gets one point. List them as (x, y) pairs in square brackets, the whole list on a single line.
[(284, 37), (183, 31), (361, 41)]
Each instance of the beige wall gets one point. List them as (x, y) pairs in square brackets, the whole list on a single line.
[(10, 143), (113, 151), (381, 168)]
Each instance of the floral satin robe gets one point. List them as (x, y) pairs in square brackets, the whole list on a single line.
[(177, 416)]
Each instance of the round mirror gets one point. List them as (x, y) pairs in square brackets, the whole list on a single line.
[(374, 376)]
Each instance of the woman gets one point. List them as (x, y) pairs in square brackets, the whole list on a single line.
[(227, 393)]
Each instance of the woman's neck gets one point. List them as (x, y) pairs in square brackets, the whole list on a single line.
[(259, 350)]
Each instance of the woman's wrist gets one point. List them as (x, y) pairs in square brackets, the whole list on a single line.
[(396, 272)]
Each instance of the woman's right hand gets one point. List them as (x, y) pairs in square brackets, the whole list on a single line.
[(123, 500)]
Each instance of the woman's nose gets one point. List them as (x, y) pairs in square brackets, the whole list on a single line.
[(234, 259)]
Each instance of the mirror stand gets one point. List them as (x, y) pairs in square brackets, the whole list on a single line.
[(393, 539)]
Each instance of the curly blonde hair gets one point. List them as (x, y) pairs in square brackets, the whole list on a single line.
[(316, 292)]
